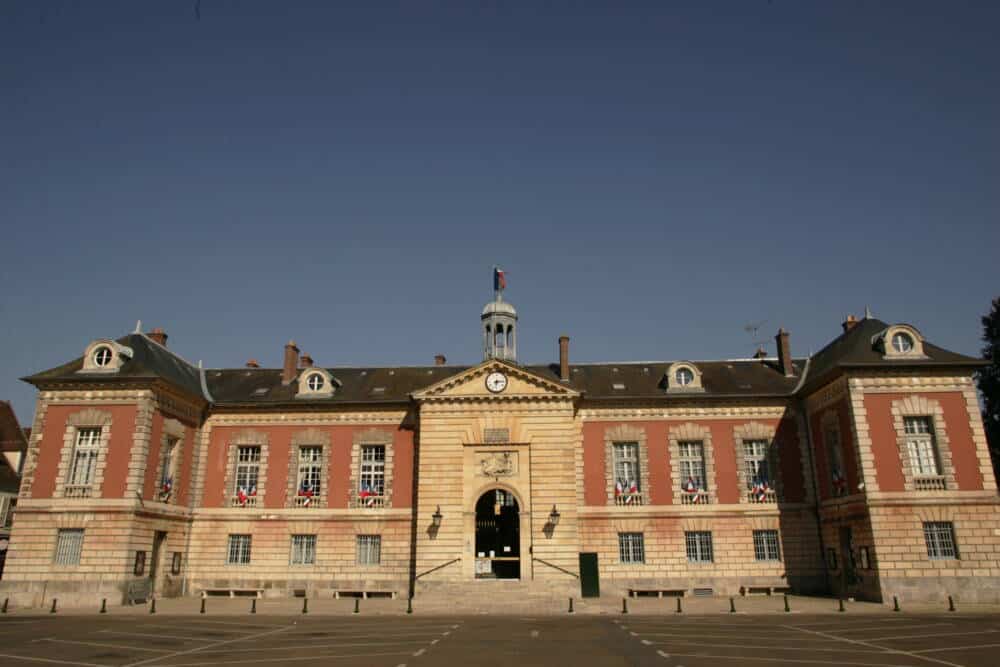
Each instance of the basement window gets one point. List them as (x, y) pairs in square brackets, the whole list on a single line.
[(618, 386), (260, 391)]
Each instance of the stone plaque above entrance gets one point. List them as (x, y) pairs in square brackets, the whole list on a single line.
[(497, 464)]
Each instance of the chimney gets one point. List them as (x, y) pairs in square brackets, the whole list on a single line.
[(849, 323), (440, 360), (291, 362), (784, 353), (306, 361), (761, 353), (252, 363), (564, 358), (158, 335)]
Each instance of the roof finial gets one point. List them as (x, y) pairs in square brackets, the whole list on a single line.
[(138, 326), (868, 313), (199, 363)]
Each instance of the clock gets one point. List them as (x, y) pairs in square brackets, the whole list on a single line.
[(496, 382)]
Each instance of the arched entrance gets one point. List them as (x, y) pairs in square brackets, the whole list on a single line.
[(498, 536)]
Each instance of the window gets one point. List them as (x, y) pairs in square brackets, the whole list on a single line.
[(247, 469), (631, 548), (303, 549), (103, 356), (69, 546), (88, 443), (755, 463), (310, 469), (838, 480), (684, 377), (372, 470), (765, 545), (315, 382), (369, 549), (940, 538), (7, 504), (626, 462), (167, 468), (239, 550), (692, 462), (920, 446), (902, 343), (699, 546)]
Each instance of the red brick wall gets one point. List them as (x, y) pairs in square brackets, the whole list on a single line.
[(728, 490), (594, 481), (182, 480), (787, 439), (848, 448), (119, 450)]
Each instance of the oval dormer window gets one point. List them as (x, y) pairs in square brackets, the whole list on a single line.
[(902, 343), (103, 356), (684, 376), (315, 382)]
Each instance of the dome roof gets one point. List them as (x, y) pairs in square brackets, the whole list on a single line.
[(499, 307)]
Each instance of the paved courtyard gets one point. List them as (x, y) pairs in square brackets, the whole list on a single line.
[(957, 640)]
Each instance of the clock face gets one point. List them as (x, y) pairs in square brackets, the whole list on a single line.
[(496, 382)]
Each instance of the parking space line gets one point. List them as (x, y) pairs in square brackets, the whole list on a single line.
[(212, 645), (796, 660), (934, 634), (895, 627), (312, 657), (310, 646), (156, 635), (121, 646), (419, 653), (51, 660), (870, 645), (955, 648), (771, 647), (728, 636), (381, 635), (187, 626)]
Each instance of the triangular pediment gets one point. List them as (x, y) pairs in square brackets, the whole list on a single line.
[(471, 383)]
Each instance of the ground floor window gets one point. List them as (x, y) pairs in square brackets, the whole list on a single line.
[(699, 546), (631, 548), (369, 549), (940, 538), (765, 545), (239, 550), (69, 546), (303, 549)]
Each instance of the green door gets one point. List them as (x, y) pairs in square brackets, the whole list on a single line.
[(590, 584)]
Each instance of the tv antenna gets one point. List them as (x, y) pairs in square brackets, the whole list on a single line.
[(753, 328)]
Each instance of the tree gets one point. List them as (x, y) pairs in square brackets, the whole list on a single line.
[(989, 383)]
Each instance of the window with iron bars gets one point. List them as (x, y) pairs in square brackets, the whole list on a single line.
[(311, 468), (631, 548), (626, 465), (303, 550), (920, 446), (766, 546), (940, 539), (369, 549), (239, 550), (247, 468), (69, 546), (699, 546), (373, 468), (87, 446)]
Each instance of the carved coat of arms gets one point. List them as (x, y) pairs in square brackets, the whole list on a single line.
[(496, 464)]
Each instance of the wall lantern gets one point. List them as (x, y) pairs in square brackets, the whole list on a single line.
[(436, 517), (554, 516)]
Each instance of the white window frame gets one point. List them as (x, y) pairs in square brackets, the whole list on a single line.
[(7, 505), (835, 457), (86, 448), (368, 549), (69, 547), (239, 549), (691, 459), (248, 460), (755, 458), (627, 469), (698, 546), (939, 536), (925, 460), (632, 548), (372, 471), (767, 545), (303, 550), (310, 468)]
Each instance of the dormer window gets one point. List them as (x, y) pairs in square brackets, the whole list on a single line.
[(900, 341), (683, 376), (103, 356), (316, 383)]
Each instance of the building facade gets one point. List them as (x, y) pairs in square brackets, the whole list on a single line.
[(13, 446), (861, 470)]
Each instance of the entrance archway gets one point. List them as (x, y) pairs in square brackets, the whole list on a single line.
[(498, 536)]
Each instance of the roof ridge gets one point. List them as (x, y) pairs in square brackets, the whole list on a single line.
[(165, 349)]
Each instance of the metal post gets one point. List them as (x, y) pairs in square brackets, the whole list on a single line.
[(732, 605), (895, 603), (624, 605), (3, 610), (152, 606), (53, 610), (787, 608), (203, 605), (305, 605), (571, 605), (409, 605), (678, 606), (951, 604), (104, 605), (253, 606), (841, 601), (357, 605)]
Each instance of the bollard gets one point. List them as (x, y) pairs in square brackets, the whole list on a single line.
[(152, 606), (787, 608), (357, 605), (571, 605), (678, 606), (409, 605), (951, 604), (53, 610), (104, 605), (253, 606), (841, 600), (305, 605), (895, 603), (732, 606), (624, 605), (3, 610), (203, 605)]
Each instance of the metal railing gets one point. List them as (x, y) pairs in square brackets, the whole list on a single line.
[(77, 491), (694, 498), (762, 497)]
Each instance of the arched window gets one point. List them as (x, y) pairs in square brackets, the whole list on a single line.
[(498, 341)]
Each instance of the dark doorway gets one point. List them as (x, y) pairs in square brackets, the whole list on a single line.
[(159, 537), (590, 583), (848, 573), (498, 536)]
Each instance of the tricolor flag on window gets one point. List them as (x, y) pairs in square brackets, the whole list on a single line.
[(499, 280)]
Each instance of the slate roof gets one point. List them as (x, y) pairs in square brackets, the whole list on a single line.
[(12, 437), (9, 481)]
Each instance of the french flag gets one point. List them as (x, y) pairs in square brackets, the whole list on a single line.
[(499, 280)]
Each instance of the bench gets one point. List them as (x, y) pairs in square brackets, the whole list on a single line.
[(656, 592), (233, 592), (764, 589), (364, 594)]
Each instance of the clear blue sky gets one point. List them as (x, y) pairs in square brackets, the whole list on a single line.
[(652, 177)]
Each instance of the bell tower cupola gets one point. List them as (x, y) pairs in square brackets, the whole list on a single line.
[(499, 323)]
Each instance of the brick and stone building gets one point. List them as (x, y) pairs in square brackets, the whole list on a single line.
[(13, 446), (860, 470)]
